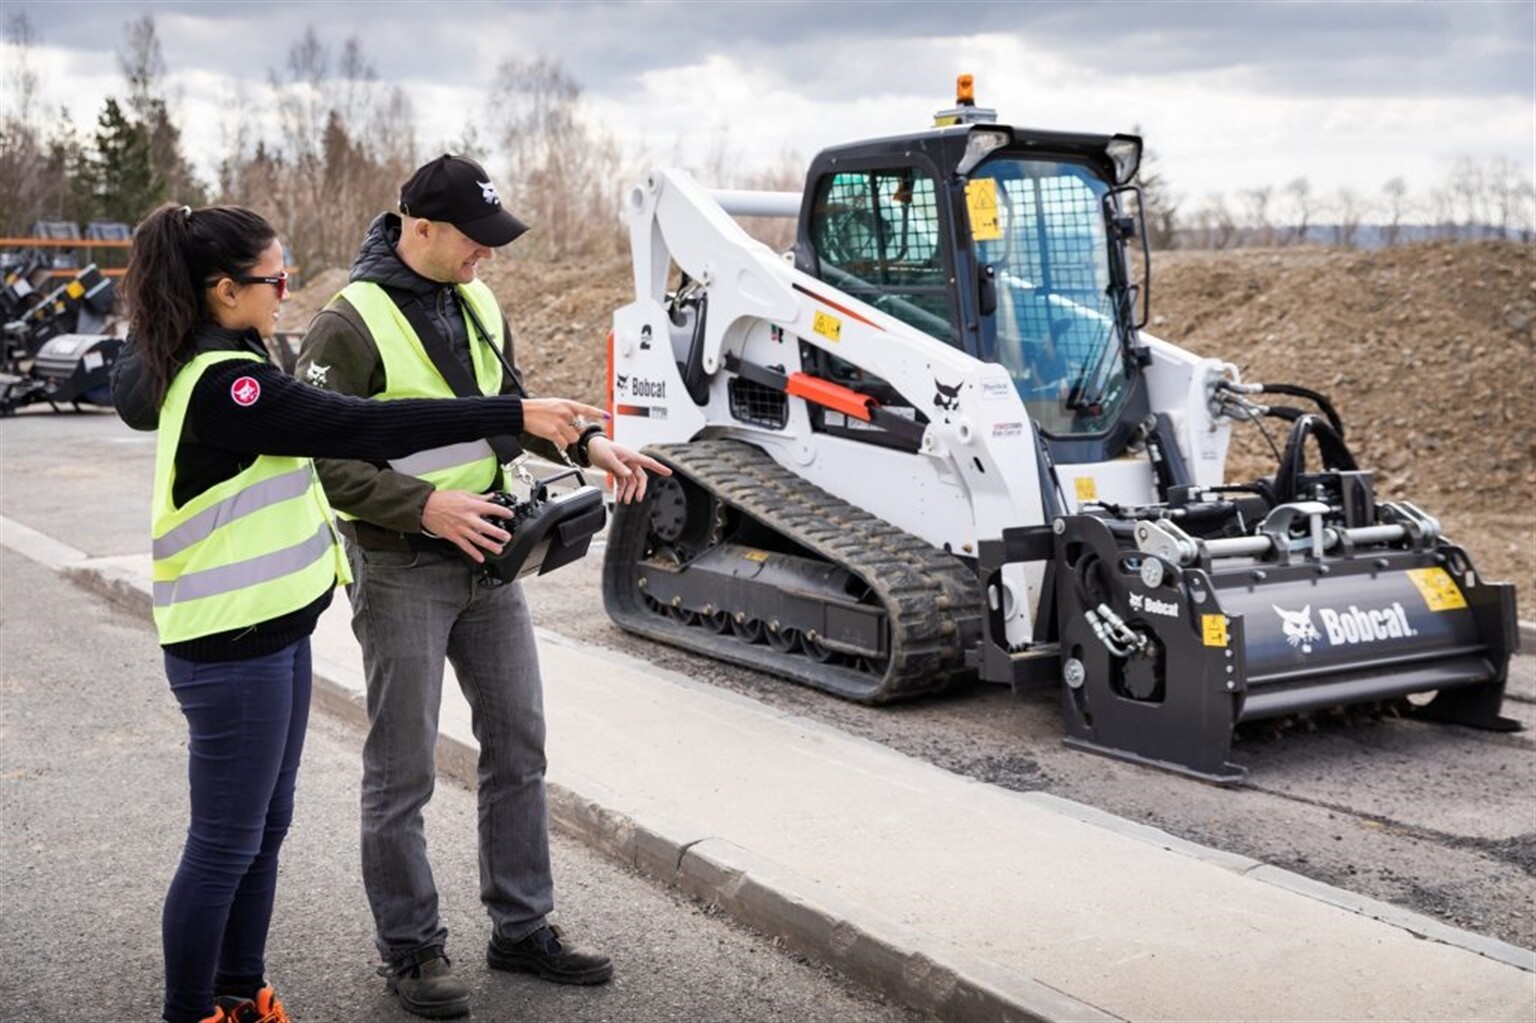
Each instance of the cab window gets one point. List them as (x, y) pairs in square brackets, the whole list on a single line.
[(878, 238)]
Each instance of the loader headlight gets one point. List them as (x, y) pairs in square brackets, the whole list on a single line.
[(1125, 151)]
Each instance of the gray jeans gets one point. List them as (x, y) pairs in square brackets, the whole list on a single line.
[(410, 611)]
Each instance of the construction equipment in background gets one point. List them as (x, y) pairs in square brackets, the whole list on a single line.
[(57, 348), (934, 443)]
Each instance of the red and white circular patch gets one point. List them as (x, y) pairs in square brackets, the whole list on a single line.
[(245, 391)]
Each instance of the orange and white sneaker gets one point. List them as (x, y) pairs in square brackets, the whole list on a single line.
[(228, 1009), (264, 1008)]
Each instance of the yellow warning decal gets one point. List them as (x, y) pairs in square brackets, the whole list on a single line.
[(981, 201), (1214, 628), (74, 289), (829, 327), (1087, 488), (756, 555), (1438, 589)]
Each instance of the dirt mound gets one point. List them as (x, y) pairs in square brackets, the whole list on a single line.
[(1425, 349)]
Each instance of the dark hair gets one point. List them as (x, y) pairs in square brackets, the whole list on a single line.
[(176, 251)]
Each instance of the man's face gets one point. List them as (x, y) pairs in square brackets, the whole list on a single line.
[(449, 255)]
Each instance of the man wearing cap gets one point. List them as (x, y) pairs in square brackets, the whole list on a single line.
[(416, 321)]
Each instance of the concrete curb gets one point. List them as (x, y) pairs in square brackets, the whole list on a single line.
[(912, 967), (865, 945)]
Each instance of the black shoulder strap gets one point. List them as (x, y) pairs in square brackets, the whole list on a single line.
[(458, 378), (454, 373)]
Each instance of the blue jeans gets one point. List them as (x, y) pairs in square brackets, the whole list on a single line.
[(246, 722), (412, 611)]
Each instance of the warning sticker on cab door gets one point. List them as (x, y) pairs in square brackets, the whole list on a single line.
[(1087, 489), (981, 201), (1438, 589)]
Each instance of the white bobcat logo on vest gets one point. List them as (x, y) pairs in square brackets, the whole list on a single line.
[(1298, 627), (488, 193)]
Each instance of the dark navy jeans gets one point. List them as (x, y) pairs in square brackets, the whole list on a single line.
[(246, 721)]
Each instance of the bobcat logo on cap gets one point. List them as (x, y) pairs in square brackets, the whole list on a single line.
[(488, 193)]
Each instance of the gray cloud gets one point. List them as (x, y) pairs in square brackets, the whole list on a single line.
[(1452, 49)]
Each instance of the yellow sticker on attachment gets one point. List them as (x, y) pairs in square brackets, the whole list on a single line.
[(758, 556), (1438, 589), (1087, 489), (829, 327), (981, 201), (74, 289), (1214, 628)]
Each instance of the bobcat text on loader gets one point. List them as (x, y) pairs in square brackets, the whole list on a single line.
[(934, 443)]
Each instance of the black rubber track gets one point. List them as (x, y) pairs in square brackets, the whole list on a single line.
[(931, 599)]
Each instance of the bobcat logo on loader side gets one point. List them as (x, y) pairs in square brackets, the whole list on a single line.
[(1298, 627), (946, 398), (621, 382)]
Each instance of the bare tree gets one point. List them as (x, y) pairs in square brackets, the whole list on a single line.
[(345, 145), (1303, 207), (1161, 205), (142, 61), (1396, 193), (1468, 188), (1223, 222), (1351, 211), (562, 171), (1442, 213), (1525, 211), (1505, 179), (35, 170), (1261, 231)]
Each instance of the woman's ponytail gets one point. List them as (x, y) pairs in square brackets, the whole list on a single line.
[(177, 252)]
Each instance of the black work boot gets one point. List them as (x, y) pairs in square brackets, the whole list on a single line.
[(426, 985), (543, 953)]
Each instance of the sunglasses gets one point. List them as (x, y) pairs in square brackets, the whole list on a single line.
[(280, 282)]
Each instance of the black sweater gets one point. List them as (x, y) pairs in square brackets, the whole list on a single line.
[(222, 436)]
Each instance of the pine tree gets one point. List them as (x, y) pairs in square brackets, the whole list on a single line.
[(120, 175)]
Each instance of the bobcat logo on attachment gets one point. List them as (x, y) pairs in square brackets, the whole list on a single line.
[(488, 193), (245, 391), (1298, 627), (946, 398)]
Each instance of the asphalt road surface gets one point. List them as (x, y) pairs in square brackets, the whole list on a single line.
[(93, 810), (1435, 818)]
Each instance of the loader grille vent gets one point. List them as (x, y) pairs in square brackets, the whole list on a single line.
[(758, 405)]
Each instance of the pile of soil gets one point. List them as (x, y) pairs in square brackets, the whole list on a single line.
[(1425, 349)]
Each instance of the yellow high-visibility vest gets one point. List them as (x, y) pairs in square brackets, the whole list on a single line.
[(409, 373), (248, 549)]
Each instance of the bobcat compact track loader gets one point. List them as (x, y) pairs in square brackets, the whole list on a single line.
[(934, 444)]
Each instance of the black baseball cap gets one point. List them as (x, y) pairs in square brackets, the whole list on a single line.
[(456, 190)]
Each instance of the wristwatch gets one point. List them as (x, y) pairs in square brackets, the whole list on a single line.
[(583, 442)]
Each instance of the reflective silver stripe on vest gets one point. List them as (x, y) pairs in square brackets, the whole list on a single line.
[(252, 499), (251, 572), (434, 459)]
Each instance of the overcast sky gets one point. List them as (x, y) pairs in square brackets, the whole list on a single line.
[(1228, 95)]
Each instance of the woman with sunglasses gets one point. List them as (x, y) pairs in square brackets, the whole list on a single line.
[(246, 559)]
